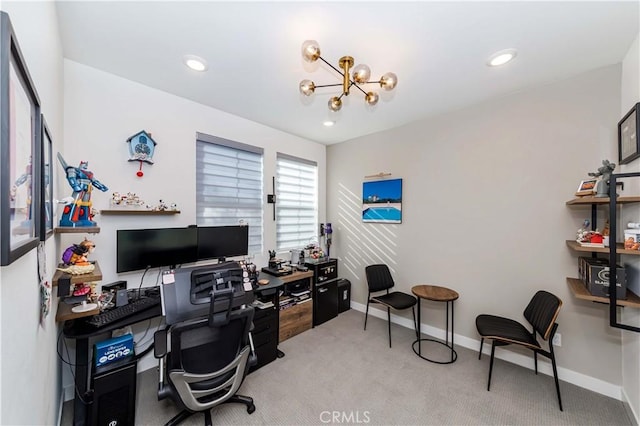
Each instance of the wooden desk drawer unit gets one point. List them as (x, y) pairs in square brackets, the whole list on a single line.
[(295, 319)]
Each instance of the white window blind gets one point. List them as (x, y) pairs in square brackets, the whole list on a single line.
[(296, 202), (229, 186)]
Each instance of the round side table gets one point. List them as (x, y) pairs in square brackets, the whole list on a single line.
[(436, 294)]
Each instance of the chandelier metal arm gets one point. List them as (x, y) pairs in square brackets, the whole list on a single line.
[(353, 83)]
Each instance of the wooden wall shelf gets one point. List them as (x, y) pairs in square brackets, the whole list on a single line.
[(65, 313), (574, 245), (96, 275), (77, 230), (580, 291), (114, 212), (594, 200)]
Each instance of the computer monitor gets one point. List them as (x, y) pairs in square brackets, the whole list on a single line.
[(138, 249), (220, 242)]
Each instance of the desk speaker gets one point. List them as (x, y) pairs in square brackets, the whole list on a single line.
[(114, 394)]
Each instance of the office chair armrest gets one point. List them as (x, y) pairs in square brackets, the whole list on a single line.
[(160, 344)]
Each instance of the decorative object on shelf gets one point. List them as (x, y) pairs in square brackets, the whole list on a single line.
[(360, 76), (586, 187), (82, 183), (628, 139), (130, 199), (19, 149), (77, 254), (141, 149), (162, 206), (589, 238), (382, 201), (604, 174), (77, 269)]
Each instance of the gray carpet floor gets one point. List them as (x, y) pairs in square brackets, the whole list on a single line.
[(338, 373)]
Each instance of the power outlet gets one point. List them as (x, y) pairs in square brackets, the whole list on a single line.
[(557, 340)]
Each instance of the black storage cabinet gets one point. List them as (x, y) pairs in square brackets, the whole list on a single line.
[(325, 301), (265, 333), (344, 295)]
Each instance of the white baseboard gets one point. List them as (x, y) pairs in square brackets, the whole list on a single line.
[(570, 376), (629, 407)]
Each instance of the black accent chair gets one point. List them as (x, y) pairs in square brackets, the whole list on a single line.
[(206, 363), (541, 312), (379, 279)]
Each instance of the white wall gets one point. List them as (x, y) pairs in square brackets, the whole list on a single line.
[(630, 95), (30, 368), (103, 110), (484, 211)]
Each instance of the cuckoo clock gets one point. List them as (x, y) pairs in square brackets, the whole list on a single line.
[(141, 148)]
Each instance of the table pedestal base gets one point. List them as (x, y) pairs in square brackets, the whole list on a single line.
[(454, 354)]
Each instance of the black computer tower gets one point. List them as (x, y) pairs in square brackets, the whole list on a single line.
[(114, 394)]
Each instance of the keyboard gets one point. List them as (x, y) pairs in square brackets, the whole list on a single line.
[(116, 314)]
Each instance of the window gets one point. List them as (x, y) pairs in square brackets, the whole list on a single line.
[(229, 186), (296, 202)]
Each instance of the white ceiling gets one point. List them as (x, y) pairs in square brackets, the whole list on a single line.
[(437, 49)]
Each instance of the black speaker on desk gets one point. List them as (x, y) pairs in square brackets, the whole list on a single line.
[(114, 394)]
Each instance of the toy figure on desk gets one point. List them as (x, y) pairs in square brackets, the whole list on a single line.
[(81, 181)]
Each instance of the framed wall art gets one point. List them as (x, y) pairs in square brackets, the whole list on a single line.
[(46, 221), (628, 140), (20, 151), (382, 201)]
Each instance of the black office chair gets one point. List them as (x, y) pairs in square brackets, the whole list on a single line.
[(206, 364), (541, 313), (379, 279)]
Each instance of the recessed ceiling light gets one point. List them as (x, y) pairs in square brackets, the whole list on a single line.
[(329, 123), (195, 62), (501, 57)]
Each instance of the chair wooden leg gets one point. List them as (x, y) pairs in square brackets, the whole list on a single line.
[(480, 353), (366, 314), (493, 350), (535, 361), (207, 418), (389, 324)]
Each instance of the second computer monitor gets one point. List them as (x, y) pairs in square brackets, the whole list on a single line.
[(219, 242)]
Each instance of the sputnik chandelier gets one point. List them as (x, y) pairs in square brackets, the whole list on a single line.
[(360, 75)]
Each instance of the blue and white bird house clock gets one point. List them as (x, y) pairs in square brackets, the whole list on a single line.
[(141, 148)]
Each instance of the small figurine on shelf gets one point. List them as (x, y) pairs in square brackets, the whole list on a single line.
[(82, 182), (604, 172), (77, 253)]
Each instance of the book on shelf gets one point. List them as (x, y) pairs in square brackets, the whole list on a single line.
[(588, 244), (262, 305), (300, 293)]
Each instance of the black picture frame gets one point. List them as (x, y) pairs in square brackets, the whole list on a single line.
[(628, 139), (20, 151), (47, 181)]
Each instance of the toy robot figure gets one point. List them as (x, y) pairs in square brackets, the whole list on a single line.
[(81, 181)]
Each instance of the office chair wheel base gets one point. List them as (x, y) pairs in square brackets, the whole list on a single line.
[(251, 408)]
